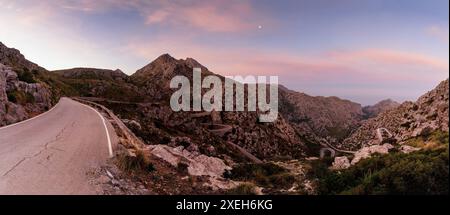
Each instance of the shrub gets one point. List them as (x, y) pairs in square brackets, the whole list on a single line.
[(20, 97), (243, 189), (421, 172), (134, 162), (182, 168), (12, 96), (26, 76), (437, 139), (266, 174)]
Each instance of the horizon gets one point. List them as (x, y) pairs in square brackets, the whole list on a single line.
[(369, 52)]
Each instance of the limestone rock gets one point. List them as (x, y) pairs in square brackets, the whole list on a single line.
[(366, 152), (408, 149), (341, 163), (197, 165)]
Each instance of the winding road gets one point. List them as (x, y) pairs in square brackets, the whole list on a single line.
[(54, 152)]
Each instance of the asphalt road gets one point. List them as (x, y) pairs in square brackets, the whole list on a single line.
[(55, 152)]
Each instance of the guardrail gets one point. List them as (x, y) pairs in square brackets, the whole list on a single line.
[(124, 131)]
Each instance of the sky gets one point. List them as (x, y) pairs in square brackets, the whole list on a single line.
[(361, 50)]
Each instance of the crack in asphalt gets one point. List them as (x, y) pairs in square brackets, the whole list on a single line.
[(46, 147)]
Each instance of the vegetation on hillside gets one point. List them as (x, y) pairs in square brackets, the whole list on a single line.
[(26, 75), (20, 97), (422, 172), (265, 175)]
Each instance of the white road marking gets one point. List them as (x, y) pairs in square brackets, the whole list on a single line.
[(18, 123), (106, 129)]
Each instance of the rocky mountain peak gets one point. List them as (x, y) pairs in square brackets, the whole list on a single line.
[(164, 68), (161, 66), (191, 62), (371, 111), (165, 58)]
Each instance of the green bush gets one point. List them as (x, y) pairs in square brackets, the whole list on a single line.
[(266, 174), (20, 97), (421, 172), (12, 96), (243, 189), (26, 76)]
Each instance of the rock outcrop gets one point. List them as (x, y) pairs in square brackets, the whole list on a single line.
[(197, 164), (19, 100), (368, 151), (21, 94), (341, 163)]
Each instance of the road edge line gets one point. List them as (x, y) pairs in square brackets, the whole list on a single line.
[(106, 129)]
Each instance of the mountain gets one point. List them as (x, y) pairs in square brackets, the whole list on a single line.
[(264, 140), (306, 115), (102, 83), (325, 117), (155, 77), (384, 105), (429, 113), (92, 73)]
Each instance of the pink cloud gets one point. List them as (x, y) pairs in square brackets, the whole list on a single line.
[(211, 16), (385, 57), (157, 17), (97, 5), (439, 32)]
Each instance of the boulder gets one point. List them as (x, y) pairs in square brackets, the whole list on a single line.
[(408, 149), (197, 164), (341, 163), (366, 152)]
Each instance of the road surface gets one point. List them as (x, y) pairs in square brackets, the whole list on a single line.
[(54, 152)]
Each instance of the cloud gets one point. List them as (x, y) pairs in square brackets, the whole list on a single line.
[(375, 64), (386, 57), (439, 32), (211, 16), (91, 6)]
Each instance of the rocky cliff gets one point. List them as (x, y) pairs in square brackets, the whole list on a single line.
[(20, 100), (429, 113), (22, 93)]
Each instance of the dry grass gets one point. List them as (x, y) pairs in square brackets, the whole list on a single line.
[(135, 160), (243, 189)]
